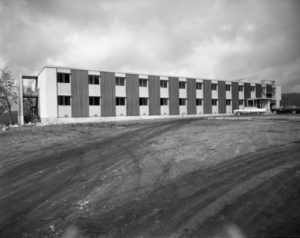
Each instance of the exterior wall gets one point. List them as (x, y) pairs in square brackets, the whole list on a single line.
[(79, 89), (228, 93), (64, 89), (229, 109), (241, 94), (214, 93), (207, 96), (132, 92), (108, 102), (154, 95), (222, 96), (258, 91), (253, 94), (199, 109), (64, 111), (183, 110), (95, 111), (215, 109), (235, 95), (144, 110), (94, 90), (47, 88), (278, 95), (247, 92), (191, 96), (174, 95), (164, 110), (121, 90), (164, 92), (121, 110)]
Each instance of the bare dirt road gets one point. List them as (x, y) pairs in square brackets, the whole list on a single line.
[(177, 178)]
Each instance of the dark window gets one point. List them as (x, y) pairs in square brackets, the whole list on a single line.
[(241, 88), (64, 100), (163, 101), (214, 86), (228, 102), (94, 101), (94, 79), (198, 102), (63, 78), (252, 88), (228, 87), (182, 101), (163, 83), (241, 102), (120, 81), (120, 101), (143, 101), (198, 85), (181, 85), (143, 82), (214, 102)]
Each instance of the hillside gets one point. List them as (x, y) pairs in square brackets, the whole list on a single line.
[(290, 99)]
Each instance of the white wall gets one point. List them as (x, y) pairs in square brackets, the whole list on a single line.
[(144, 110), (120, 91), (121, 110), (47, 87), (64, 111), (164, 110), (95, 110), (183, 109), (278, 95), (229, 109), (214, 94), (199, 93), (94, 90), (164, 92), (215, 109), (241, 94), (64, 89), (144, 92), (182, 92), (199, 109)]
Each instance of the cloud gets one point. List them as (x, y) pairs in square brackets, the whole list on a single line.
[(211, 39)]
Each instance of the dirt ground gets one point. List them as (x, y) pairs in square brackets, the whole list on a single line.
[(163, 178)]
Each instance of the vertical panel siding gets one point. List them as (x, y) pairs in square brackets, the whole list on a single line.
[(207, 97), (108, 94), (235, 95), (258, 90), (191, 96), (80, 94), (222, 96), (247, 92), (174, 95), (132, 93), (154, 95)]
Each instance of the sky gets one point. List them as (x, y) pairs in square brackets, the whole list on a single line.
[(215, 39)]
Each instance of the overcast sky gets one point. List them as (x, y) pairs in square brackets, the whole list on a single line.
[(208, 39)]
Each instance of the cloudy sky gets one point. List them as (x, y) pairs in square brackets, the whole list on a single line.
[(223, 39)]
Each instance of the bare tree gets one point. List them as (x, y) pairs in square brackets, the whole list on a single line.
[(8, 94)]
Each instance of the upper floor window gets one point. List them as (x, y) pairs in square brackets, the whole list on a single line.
[(241, 102), (143, 82), (64, 100), (163, 83), (63, 78), (181, 84), (120, 81), (182, 101), (228, 87), (120, 101), (198, 86), (214, 86), (94, 79), (241, 88), (252, 88), (143, 101), (199, 102), (163, 101), (214, 102), (94, 101), (228, 102)]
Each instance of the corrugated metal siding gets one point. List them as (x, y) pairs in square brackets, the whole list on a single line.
[(108, 94), (247, 92), (258, 90), (191, 96), (154, 95), (222, 96), (80, 94), (235, 95), (174, 95), (132, 93), (207, 97)]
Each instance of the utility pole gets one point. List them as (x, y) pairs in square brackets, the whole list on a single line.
[(20, 101)]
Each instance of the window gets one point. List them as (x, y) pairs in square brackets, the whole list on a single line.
[(228, 102), (94, 79), (143, 82), (143, 101), (181, 84), (198, 86), (63, 78), (228, 87), (241, 88), (64, 100), (163, 101), (94, 101), (214, 102), (252, 88), (182, 101), (120, 81), (199, 102), (241, 102), (163, 83), (214, 86), (120, 101)]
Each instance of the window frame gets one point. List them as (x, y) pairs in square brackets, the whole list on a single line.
[(197, 86), (226, 102), (93, 101), (120, 101), (199, 100), (252, 88), (214, 87), (214, 102), (241, 104), (241, 88), (182, 100), (227, 87), (164, 83), (142, 102), (162, 100), (61, 77), (180, 85), (94, 79), (120, 81), (61, 100), (143, 82)]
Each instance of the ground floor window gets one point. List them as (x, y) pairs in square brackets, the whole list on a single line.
[(120, 101), (94, 101), (241, 102), (163, 101), (228, 102), (182, 101), (64, 100), (199, 102), (214, 102), (143, 101)]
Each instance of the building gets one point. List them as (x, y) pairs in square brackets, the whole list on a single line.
[(76, 95)]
